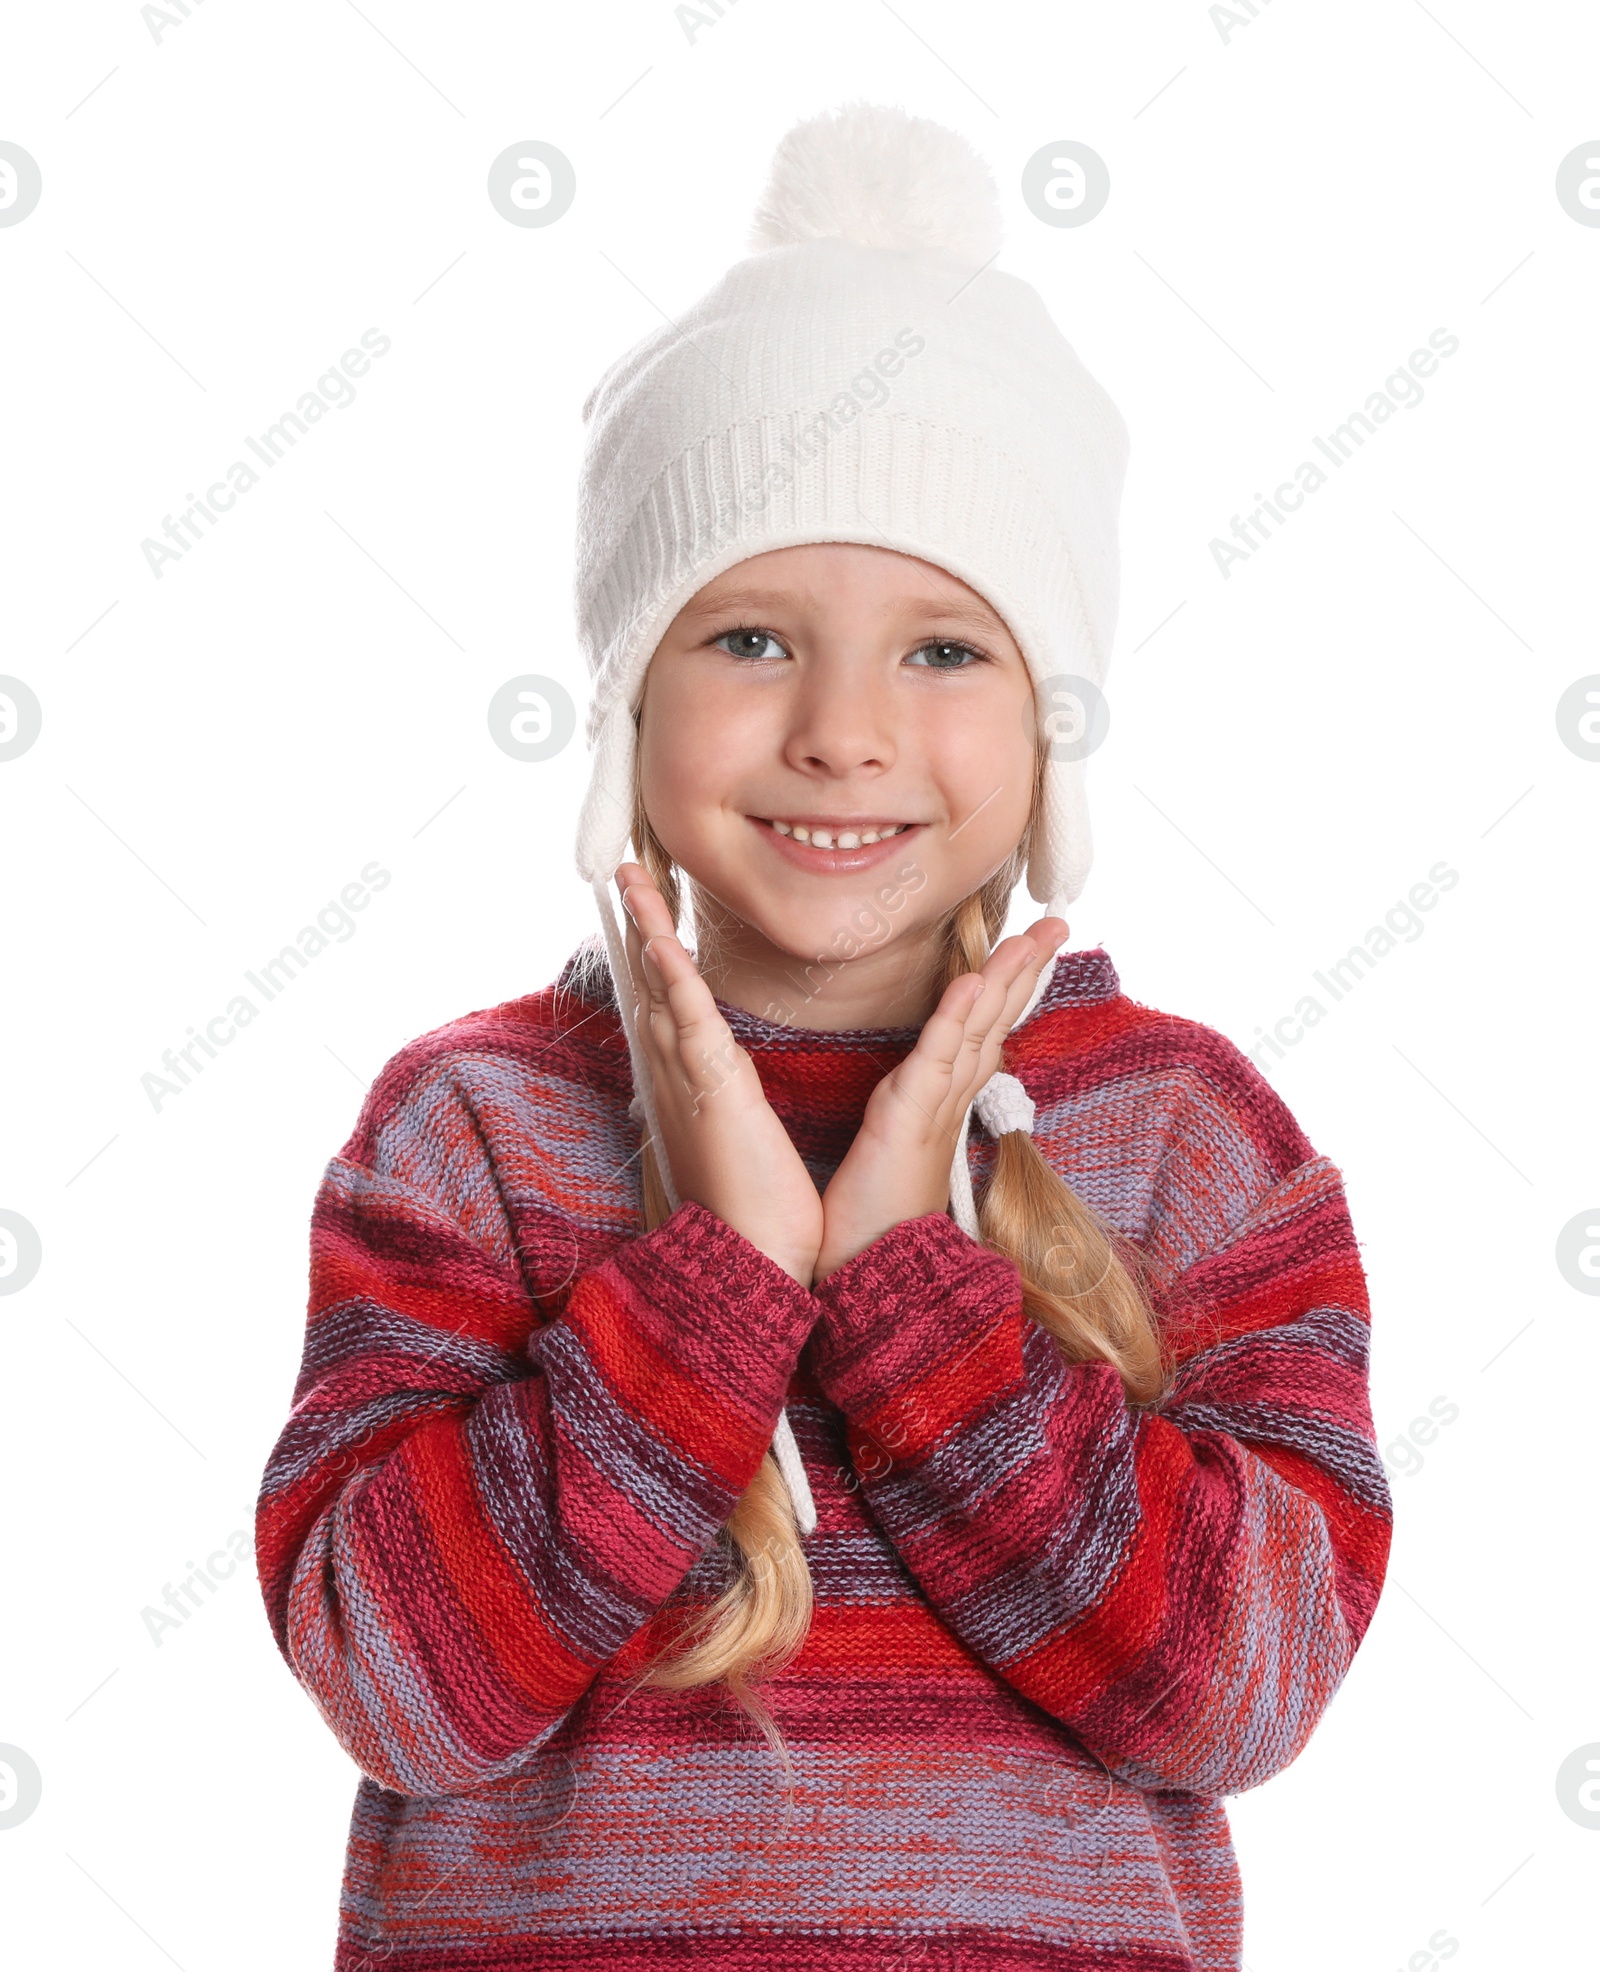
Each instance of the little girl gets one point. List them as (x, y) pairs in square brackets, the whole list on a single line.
[(735, 1512)]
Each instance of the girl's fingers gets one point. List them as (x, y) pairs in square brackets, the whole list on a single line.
[(702, 1047), (636, 971), (1007, 977), (685, 1027), (629, 878), (647, 919), (643, 901), (1010, 976), (971, 1006), (1045, 941), (945, 1029), (976, 1011), (1013, 969), (643, 905)]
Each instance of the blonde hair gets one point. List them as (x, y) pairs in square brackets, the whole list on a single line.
[(1080, 1283)]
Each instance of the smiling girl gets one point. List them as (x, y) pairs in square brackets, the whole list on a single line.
[(735, 1511)]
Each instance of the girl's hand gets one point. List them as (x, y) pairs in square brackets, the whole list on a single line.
[(725, 1145), (899, 1165)]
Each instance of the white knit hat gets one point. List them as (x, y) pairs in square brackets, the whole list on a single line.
[(865, 374)]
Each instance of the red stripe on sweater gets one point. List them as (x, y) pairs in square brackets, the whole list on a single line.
[(479, 1574)]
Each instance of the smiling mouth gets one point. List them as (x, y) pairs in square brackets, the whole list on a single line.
[(836, 835)]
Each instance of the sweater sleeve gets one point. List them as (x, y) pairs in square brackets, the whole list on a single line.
[(467, 1513), (1183, 1586)]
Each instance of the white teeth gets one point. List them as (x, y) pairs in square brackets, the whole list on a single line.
[(823, 838)]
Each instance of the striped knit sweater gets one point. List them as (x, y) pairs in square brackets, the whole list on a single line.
[(1050, 1632)]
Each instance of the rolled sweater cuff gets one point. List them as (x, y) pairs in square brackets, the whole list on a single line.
[(923, 1299), (731, 1321)]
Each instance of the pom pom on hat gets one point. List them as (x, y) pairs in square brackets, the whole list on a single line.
[(883, 178)]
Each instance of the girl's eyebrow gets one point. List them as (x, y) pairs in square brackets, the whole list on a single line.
[(975, 615), (751, 599)]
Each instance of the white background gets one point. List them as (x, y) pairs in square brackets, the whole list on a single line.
[(1295, 206)]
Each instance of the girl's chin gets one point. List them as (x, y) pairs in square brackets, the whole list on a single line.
[(854, 929)]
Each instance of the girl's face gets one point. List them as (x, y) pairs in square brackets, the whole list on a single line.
[(837, 744)]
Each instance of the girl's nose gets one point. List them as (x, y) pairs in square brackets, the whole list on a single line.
[(838, 727)]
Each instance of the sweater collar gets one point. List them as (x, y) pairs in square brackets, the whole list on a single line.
[(818, 1081), (1086, 978)]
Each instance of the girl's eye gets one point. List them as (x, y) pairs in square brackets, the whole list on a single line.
[(941, 656), (759, 646), (748, 643)]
